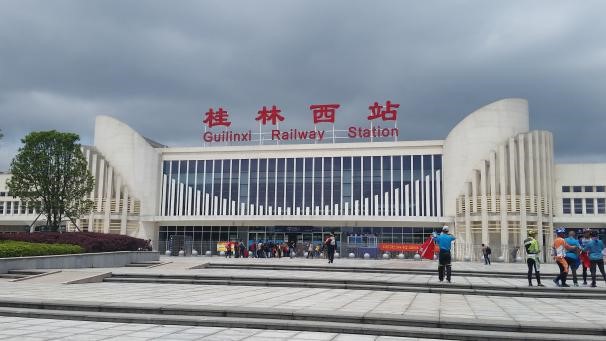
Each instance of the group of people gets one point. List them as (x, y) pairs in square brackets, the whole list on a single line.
[(270, 249), (568, 252)]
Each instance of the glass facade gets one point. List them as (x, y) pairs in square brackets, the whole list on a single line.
[(399, 185), (205, 238)]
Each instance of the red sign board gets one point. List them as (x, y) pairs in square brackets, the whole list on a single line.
[(402, 247)]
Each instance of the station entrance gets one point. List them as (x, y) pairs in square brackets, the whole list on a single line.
[(301, 236)]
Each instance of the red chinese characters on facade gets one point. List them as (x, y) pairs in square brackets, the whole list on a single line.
[(216, 118), (324, 113), (387, 113), (272, 115)]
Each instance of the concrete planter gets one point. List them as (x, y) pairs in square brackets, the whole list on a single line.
[(82, 260)]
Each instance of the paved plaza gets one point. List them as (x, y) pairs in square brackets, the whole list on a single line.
[(512, 310)]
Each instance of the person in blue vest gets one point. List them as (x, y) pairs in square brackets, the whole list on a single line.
[(595, 248), (444, 241), (572, 256)]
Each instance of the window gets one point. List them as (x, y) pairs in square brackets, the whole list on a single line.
[(588, 188), (589, 206), (577, 189), (566, 206), (565, 188), (578, 206), (600, 189), (2, 194), (601, 206)]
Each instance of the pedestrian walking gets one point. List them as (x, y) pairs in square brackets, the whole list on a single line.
[(595, 248), (310, 251), (331, 245), (486, 254), (559, 255), (532, 257), (572, 256), (444, 241)]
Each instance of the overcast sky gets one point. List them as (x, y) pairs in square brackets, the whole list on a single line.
[(159, 65)]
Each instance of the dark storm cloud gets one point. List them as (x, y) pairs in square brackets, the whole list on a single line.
[(158, 65)]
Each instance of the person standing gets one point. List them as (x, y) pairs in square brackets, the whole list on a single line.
[(572, 256), (331, 245), (310, 250), (560, 247), (595, 248), (486, 254), (532, 257), (584, 256), (444, 241)]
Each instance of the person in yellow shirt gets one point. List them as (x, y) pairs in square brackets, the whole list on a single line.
[(560, 246)]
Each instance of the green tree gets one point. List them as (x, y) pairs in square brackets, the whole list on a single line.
[(50, 174)]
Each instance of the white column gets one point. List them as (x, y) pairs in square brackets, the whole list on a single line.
[(124, 213), (198, 196), (357, 207), (531, 175), (206, 200), (522, 172), (173, 196), (512, 174), (427, 197), (313, 183), (438, 193), (406, 200), (347, 208), (108, 198), (117, 194), (215, 204), (503, 192), (484, 200), (396, 202), (376, 205), (101, 185), (366, 208), (417, 200), (387, 204), (493, 181), (468, 236), (163, 203), (180, 201)]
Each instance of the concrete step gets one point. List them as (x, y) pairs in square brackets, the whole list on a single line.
[(12, 276), (319, 321), (327, 283), (468, 273), (144, 264)]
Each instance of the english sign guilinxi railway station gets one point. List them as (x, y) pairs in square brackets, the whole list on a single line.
[(321, 113)]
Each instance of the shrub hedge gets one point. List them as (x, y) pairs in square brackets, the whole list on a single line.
[(11, 248), (89, 241)]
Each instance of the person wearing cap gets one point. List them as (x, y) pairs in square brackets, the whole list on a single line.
[(595, 248), (444, 241), (560, 247), (572, 256), (584, 256), (532, 257)]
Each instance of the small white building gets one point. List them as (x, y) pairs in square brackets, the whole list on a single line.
[(491, 180)]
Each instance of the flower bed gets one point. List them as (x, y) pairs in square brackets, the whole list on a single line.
[(11, 248), (89, 241)]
